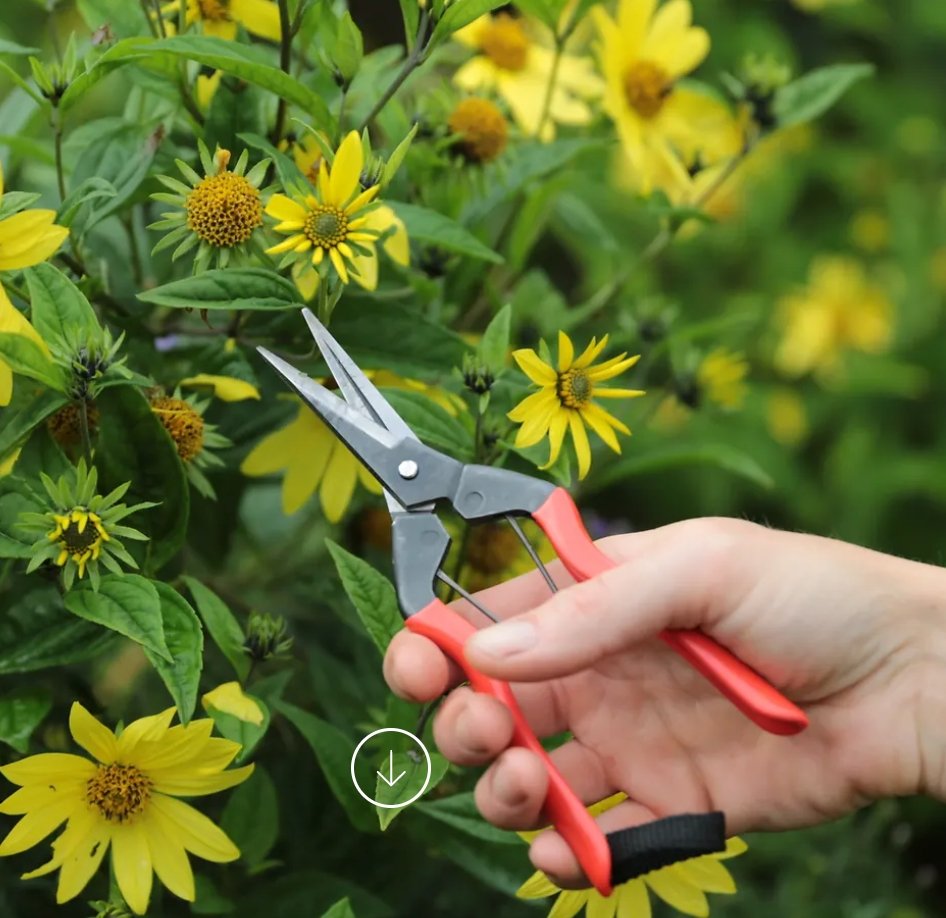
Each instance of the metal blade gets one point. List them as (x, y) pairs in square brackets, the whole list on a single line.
[(358, 389)]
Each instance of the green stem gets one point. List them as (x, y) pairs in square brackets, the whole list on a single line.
[(137, 265), (550, 88), (57, 140), (159, 19), (286, 35), (86, 437), (341, 113), (146, 9), (413, 61)]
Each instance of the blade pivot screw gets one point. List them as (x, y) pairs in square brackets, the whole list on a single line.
[(407, 469)]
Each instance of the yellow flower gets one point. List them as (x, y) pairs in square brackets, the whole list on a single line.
[(13, 322), (229, 698), (721, 377), (513, 64), (206, 87), (335, 220), (226, 388), (565, 400), (840, 308), (481, 129), (307, 155), (683, 886), (125, 800), (643, 52), (221, 18), (786, 417)]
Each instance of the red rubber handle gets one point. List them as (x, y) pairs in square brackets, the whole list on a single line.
[(564, 810), (744, 687)]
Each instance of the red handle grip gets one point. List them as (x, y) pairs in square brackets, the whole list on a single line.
[(743, 686), (565, 811)]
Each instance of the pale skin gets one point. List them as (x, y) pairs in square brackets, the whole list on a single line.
[(856, 638)]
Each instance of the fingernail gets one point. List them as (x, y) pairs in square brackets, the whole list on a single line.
[(506, 639)]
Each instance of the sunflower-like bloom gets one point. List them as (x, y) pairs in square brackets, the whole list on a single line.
[(86, 528), (26, 239), (721, 377), (336, 219), (314, 459), (839, 309), (480, 128), (124, 799), (682, 886), (217, 213), (510, 62), (221, 18), (643, 52), (565, 400)]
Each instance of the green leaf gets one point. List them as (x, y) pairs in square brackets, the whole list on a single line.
[(341, 909), (135, 447), (11, 47), (371, 594), (222, 624), (414, 766), (180, 671), (460, 812), (125, 603), (814, 93), (432, 423), (720, 455), (60, 310), (240, 731), (13, 202), (120, 54), (25, 357), (410, 13), (122, 18), (251, 817), (92, 189), (426, 225), (462, 14), (236, 107), (348, 49), (230, 289), (20, 419), (36, 632), (494, 345), (286, 169), (333, 751), (21, 712), (244, 62), (16, 497)]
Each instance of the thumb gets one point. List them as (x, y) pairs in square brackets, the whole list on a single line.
[(663, 586)]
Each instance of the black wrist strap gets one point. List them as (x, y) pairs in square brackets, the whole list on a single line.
[(667, 841)]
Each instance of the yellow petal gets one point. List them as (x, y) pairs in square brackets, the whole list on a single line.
[(36, 796), (339, 264), (566, 352), (557, 430), (734, 847), (532, 404), (48, 768), (708, 874), (200, 785), (169, 860), (611, 368), (13, 322), (363, 199), (226, 388), (580, 439), (220, 28), (229, 698), (346, 170), (83, 858), (29, 237), (364, 269), (192, 829), (601, 423), (306, 278), (259, 17), (633, 20), (633, 900), (535, 368), (288, 244), (178, 746), (590, 353), (538, 886), (338, 484), (285, 209), (146, 729), (6, 389), (131, 860), (206, 88), (670, 885), (619, 393), (599, 907), (92, 735), (569, 904), (37, 824)]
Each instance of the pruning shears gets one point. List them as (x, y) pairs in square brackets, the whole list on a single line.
[(414, 478)]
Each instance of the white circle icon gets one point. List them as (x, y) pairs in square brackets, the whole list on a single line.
[(391, 779)]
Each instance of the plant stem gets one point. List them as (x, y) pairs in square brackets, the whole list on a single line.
[(413, 61), (146, 9), (550, 88), (341, 113), (57, 140), (159, 19), (286, 34), (84, 424)]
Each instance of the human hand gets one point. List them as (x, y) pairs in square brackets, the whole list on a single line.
[(852, 635)]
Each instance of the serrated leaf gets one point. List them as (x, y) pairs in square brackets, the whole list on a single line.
[(415, 771), (21, 712), (127, 604), (426, 225), (371, 593), (230, 289), (251, 817), (180, 671), (16, 497), (432, 423), (20, 419), (814, 93), (460, 812), (222, 624), (60, 310), (25, 357), (494, 345)]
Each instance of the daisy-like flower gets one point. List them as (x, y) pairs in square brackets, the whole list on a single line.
[(217, 214), (313, 458), (839, 309), (222, 18), (566, 402), (194, 439), (336, 219), (82, 528), (480, 128), (511, 62), (643, 53), (721, 377), (124, 799), (682, 886), (26, 239)]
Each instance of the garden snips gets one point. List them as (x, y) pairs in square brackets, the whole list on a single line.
[(415, 477)]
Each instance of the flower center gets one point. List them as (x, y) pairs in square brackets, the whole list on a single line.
[(78, 541), (214, 10), (505, 43), (646, 87), (224, 209), (183, 423), (481, 128), (574, 388), (118, 792), (326, 226)]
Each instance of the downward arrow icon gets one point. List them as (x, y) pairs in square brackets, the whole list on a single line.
[(392, 780)]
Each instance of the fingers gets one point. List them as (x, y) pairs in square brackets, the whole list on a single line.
[(417, 669), (472, 730), (511, 793)]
